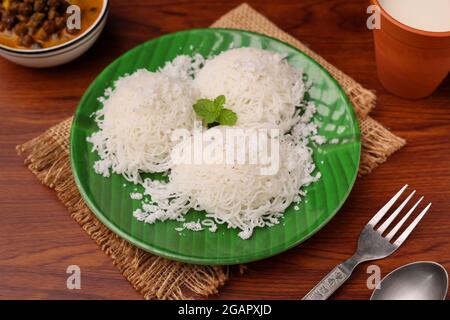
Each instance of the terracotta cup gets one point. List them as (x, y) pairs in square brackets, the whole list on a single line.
[(411, 63)]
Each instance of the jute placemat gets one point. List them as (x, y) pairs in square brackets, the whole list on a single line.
[(155, 277)]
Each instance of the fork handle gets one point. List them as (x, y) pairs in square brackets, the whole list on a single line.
[(328, 285)]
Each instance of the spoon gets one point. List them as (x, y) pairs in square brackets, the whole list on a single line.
[(423, 280)]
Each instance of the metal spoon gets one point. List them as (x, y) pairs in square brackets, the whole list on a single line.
[(423, 280)]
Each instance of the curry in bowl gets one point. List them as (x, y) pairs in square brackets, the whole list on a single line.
[(37, 24)]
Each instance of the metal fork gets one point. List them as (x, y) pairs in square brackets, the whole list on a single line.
[(372, 245)]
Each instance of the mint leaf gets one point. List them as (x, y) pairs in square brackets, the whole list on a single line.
[(203, 107), (219, 101), (207, 110), (213, 112), (227, 117)]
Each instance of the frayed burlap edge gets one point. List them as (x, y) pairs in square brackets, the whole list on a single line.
[(245, 17), (378, 143), (154, 277)]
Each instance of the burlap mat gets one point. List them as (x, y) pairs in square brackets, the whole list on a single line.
[(159, 278)]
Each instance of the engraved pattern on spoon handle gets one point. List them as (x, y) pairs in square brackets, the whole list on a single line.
[(329, 284)]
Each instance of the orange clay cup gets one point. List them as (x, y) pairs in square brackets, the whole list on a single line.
[(411, 63)]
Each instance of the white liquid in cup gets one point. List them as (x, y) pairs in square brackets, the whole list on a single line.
[(427, 15)]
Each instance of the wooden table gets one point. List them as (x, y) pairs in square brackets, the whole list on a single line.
[(38, 239)]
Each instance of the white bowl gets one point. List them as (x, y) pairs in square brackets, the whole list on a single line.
[(63, 53)]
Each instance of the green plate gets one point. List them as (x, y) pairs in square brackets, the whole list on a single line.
[(337, 160)]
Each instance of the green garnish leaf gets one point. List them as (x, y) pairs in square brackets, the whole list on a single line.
[(227, 117), (207, 110), (213, 111), (220, 101)]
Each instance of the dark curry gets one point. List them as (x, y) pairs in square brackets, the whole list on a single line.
[(35, 24)]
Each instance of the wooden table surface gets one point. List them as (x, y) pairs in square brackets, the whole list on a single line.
[(38, 239)]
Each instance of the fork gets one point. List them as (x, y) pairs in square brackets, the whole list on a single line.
[(372, 245)]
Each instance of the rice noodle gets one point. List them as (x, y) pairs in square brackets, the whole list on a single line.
[(139, 116), (234, 194), (259, 85)]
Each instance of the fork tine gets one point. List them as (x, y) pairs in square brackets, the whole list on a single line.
[(411, 227), (391, 218), (392, 233), (377, 217)]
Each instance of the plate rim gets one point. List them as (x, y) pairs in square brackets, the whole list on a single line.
[(204, 260)]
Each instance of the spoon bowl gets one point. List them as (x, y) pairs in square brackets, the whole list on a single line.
[(423, 280)]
